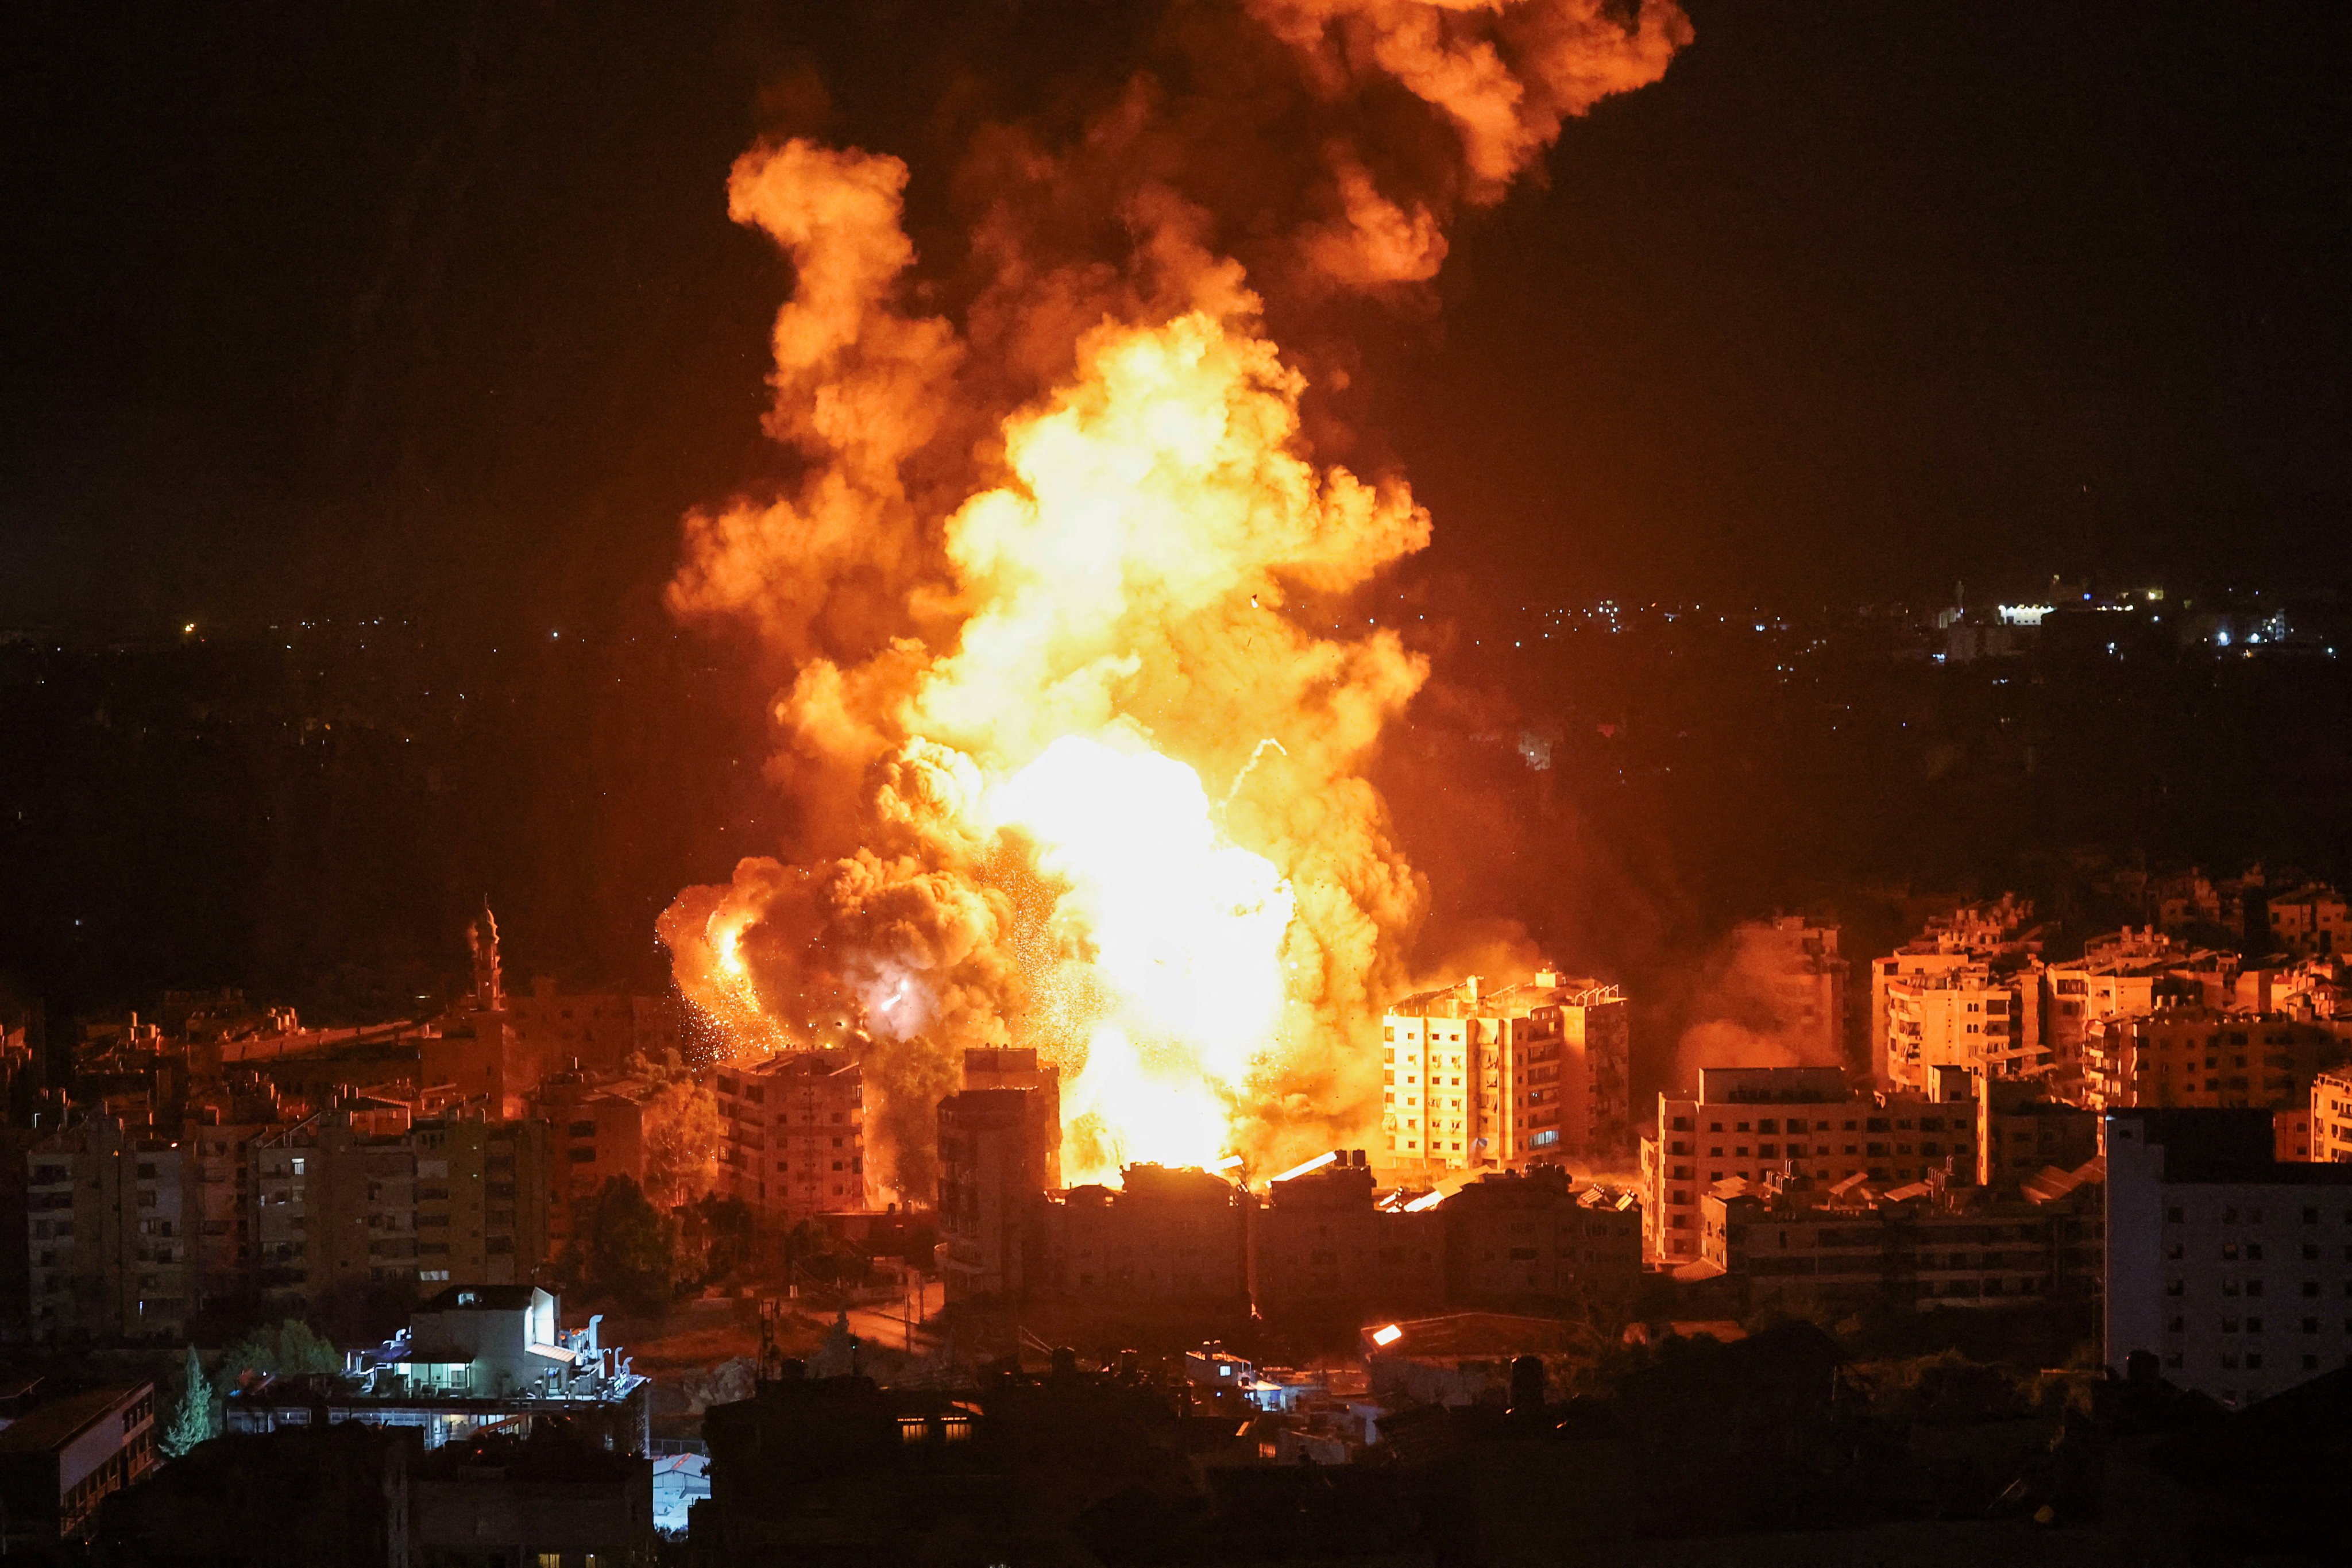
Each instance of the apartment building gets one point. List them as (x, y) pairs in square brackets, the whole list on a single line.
[(1802, 1245), (108, 1233), (455, 1197), (2194, 1056), (1322, 1248), (2021, 1130), (596, 1130), (1798, 962), (795, 1134), (2128, 975), (1972, 934), (1968, 1016), (2310, 918), (1476, 1079), (1169, 1242), (2331, 1117), (1535, 1236), (995, 1162), (2232, 1269), (1744, 1123)]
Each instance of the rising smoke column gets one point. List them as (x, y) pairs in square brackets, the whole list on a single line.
[(1077, 739)]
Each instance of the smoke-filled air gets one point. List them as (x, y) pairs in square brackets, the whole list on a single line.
[(1079, 709)]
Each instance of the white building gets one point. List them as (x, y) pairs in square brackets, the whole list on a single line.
[(2234, 1271)]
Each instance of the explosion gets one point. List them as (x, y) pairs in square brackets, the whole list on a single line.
[(1076, 732)]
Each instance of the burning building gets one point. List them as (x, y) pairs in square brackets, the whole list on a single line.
[(1075, 728)]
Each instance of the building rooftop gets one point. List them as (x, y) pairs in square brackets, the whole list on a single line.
[(53, 1425), (1470, 997), (481, 1297), (2226, 1145)]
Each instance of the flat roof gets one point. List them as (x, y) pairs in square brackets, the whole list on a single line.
[(53, 1425), (481, 1297)]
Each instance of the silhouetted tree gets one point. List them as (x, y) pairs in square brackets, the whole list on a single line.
[(289, 1347), (632, 1249)]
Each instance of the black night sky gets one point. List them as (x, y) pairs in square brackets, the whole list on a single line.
[(348, 311)]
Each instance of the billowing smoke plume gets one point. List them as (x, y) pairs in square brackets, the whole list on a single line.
[(1075, 734), (1758, 1004)]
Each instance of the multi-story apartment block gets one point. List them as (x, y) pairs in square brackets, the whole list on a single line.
[(994, 1164), (1530, 1074), (795, 1134), (1807, 976), (1970, 1016), (1017, 1066), (109, 1232), (458, 1197), (2200, 1056), (596, 1130), (2021, 1132), (1747, 1122), (2126, 975), (1799, 1246), (597, 1031), (1533, 1236), (1169, 1242), (1972, 934), (1322, 1248), (2331, 1118), (2233, 1269)]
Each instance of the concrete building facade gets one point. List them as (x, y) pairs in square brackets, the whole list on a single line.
[(1474, 1079), (1744, 1123), (795, 1134), (2233, 1269)]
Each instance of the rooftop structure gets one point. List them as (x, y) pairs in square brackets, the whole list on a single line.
[(472, 1358)]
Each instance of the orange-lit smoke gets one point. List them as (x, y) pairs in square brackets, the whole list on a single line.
[(1080, 717)]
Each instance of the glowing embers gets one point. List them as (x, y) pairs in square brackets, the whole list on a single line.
[(1182, 931)]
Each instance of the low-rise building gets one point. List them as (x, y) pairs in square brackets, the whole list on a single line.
[(473, 1359), (305, 1497), (62, 1460), (2233, 1268), (551, 1498)]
